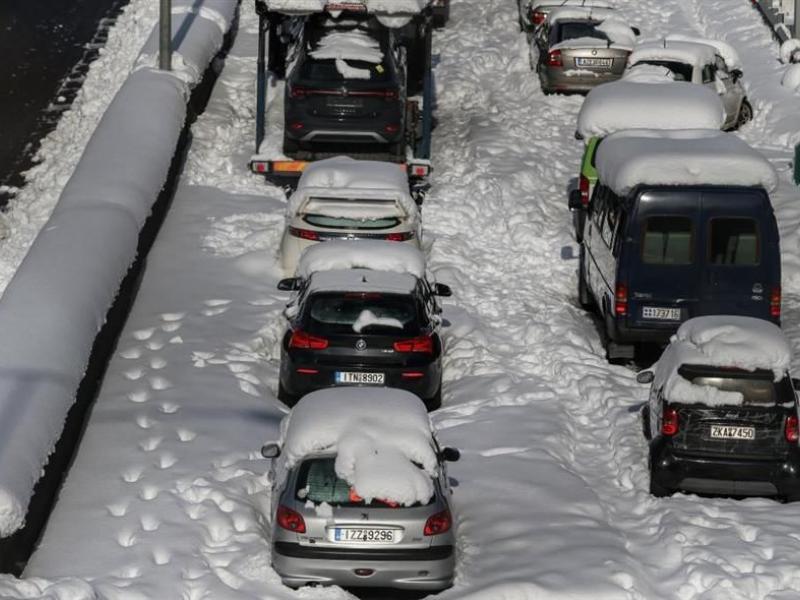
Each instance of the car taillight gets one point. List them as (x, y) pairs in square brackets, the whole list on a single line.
[(775, 302), (391, 128), (400, 236), (554, 59), (388, 94), (583, 186), (306, 234), (621, 300), (306, 341), (791, 429), (538, 17), (290, 519), (298, 92), (423, 343), (669, 422), (438, 523)]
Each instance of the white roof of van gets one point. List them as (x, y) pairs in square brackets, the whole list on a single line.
[(690, 53), (720, 341), (393, 257), (633, 105), (568, 13), (682, 157)]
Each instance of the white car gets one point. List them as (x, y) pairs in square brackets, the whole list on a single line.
[(533, 13), (701, 62), (345, 199)]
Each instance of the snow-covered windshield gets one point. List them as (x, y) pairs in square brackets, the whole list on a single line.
[(364, 313), (350, 223), (572, 30)]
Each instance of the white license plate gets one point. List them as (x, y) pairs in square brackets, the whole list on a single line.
[(661, 314), (363, 535), (360, 378), (594, 62), (732, 432)]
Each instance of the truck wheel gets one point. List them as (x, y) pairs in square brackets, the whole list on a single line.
[(646, 421), (285, 397), (745, 114), (434, 402), (584, 295), (658, 490)]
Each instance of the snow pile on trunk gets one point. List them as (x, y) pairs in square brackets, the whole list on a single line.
[(382, 439), (720, 341), (681, 157), (58, 299), (636, 105), (362, 254)]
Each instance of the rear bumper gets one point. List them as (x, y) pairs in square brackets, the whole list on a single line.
[(622, 334), (740, 477), (557, 80), (423, 569), (350, 130)]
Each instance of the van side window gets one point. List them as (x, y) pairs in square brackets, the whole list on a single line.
[(598, 206), (619, 234), (667, 240), (708, 73), (610, 222), (734, 241)]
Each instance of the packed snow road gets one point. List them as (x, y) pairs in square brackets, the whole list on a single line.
[(167, 497)]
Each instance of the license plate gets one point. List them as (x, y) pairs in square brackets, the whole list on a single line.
[(661, 314), (360, 378), (339, 102), (364, 535), (594, 62), (732, 432)]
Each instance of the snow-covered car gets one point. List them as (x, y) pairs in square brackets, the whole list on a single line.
[(680, 225), (363, 314), (577, 49), (441, 12), (702, 62), (533, 13), (360, 493), (345, 199), (722, 412), (641, 102)]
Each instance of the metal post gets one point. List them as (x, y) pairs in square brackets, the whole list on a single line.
[(261, 81), (165, 38), (427, 90)]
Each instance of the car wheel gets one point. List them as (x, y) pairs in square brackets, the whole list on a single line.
[(584, 295), (646, 421), (434, 402), (745, 113), (285, 397), (290, 146), (658, 490)]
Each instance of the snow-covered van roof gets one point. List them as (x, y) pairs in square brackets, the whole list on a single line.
[(382, 438), (681, 157), (690, 53), (569, 13), (626, 104), (384, 7), (394, 257), (724, 49), (720, 341)]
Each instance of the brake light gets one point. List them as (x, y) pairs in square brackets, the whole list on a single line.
[(669, 422), (290, 519), (296, 126), (554, 59), (621, 300), (538, 17), (389, 94), (298, 92), (438, 523), (301, 339), (583, 186), (423, 343), (306, 234), (391, 128), (791, 430), (399, 236), (775, 302)]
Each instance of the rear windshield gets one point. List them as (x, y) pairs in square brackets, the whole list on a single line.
[(667, 240), (572, 30), (681, 71), (734, 241), (344, 223), (325, 70), (317, 481), (757, 389), (363, 313)]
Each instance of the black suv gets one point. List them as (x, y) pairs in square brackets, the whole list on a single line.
[(331, 102), (365, 328)]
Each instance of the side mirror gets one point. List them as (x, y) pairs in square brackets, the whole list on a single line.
[(292, 284), (440, 289), (736, 75), (645, 377), (579, 136), (575, 201), (271, 450), (636, 31), (450, 454)]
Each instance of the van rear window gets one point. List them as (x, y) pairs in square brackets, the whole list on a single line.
[(667, 241), (734, 242)]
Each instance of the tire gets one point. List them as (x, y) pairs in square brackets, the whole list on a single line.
[(434, 402), (646, 422), (745, 113), (584, 295), (657, 490), (285, 397)]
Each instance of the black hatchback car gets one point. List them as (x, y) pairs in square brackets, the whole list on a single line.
[(361, 327), (347, 90)]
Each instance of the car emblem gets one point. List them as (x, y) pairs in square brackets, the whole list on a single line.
[(361, 345), (594, 52), (365, 516), (757, 288)]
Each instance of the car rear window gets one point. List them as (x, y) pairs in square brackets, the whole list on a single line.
[(681, 71), (344, 223), (734, 241), (363, 313), (572, 30), (325, 70), (667, 240), (318, 482), (755, 391)]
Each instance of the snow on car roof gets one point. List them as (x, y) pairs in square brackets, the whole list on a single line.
[(720, 341), (627, 104), (680, 157), (566, 13), (379, 436), (394, 257), (724, 49), (690, 53), (644, 73), (349, 45), (386, 7), (560, 3), (362, 280)]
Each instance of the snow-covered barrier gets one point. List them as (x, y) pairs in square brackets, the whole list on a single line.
[(57, 300)]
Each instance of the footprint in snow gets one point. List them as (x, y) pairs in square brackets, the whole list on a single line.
[(134, 374), (185, 435), (118, 509), (149, 522), (144, 422), (170, 408), (132, 474), (155, 345), (131, 353), (166, 460), (160, 383), (144, 334), (148, 492), (139, 396), (126, 538), (151, 443), (157, 363), (161, 556), (171, 317), (170, 327)]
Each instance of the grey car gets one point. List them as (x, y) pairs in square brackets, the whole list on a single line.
[(572, 55), (324, 534)]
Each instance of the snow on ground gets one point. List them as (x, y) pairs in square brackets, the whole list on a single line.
[(166, 494)]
